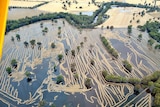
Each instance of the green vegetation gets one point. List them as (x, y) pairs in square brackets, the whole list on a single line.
[(38, 5), (18, 37), (73, 67), (60, 57), (157, 46), (27, 74), (76, 76), (66, 51), (127, 65), (80, 21), (32, 42), (45, 30), (73, 52), (129, 29), (12, 39), (141, 28), (152, 82), (9, 70), (152, 29), (92, 62), (26, 44), (41, 24), (14, 63), (42, 103), (119, 79), (78, 48), (81, 44), (60, 79), (53, 105), (150, 42), (39, 45), (157, 100), (140, 37), (53, 45), (111, 50), (88, 83)]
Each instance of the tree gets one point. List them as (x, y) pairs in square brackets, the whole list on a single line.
[(12, 39), (80, 13), (53, 105), (42, 103), (63, 22), (88, 83), (53, 45), (55, 21), (59, 33), (60, 57), (81, 44), (76, 76), (26, 44), (46, 29), (78, 48), (114, 78), (73, 52), (92, 62), (66, 51), (141, 28), (140, 37), (129, 29), (102, 27), (28, 74), (41, 24), (60, 79), (138, 21), (111, 50), (14, 63), (127, 65), (157, 100), (32, 42), (9, 70), (157, 46), (73, 67), (134, 81), (150, 42), (93, 1), (137, 88), (39, 45), (111, 27), (104, 73), (18, 37), (69, 3), (59, 28)]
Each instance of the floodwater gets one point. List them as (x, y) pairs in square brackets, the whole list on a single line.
[(41, 71)]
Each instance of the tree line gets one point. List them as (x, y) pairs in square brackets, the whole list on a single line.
[(108, 47), (38, 5), (80, 21)]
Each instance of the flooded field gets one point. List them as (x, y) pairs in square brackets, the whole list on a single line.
[(16, 91)]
